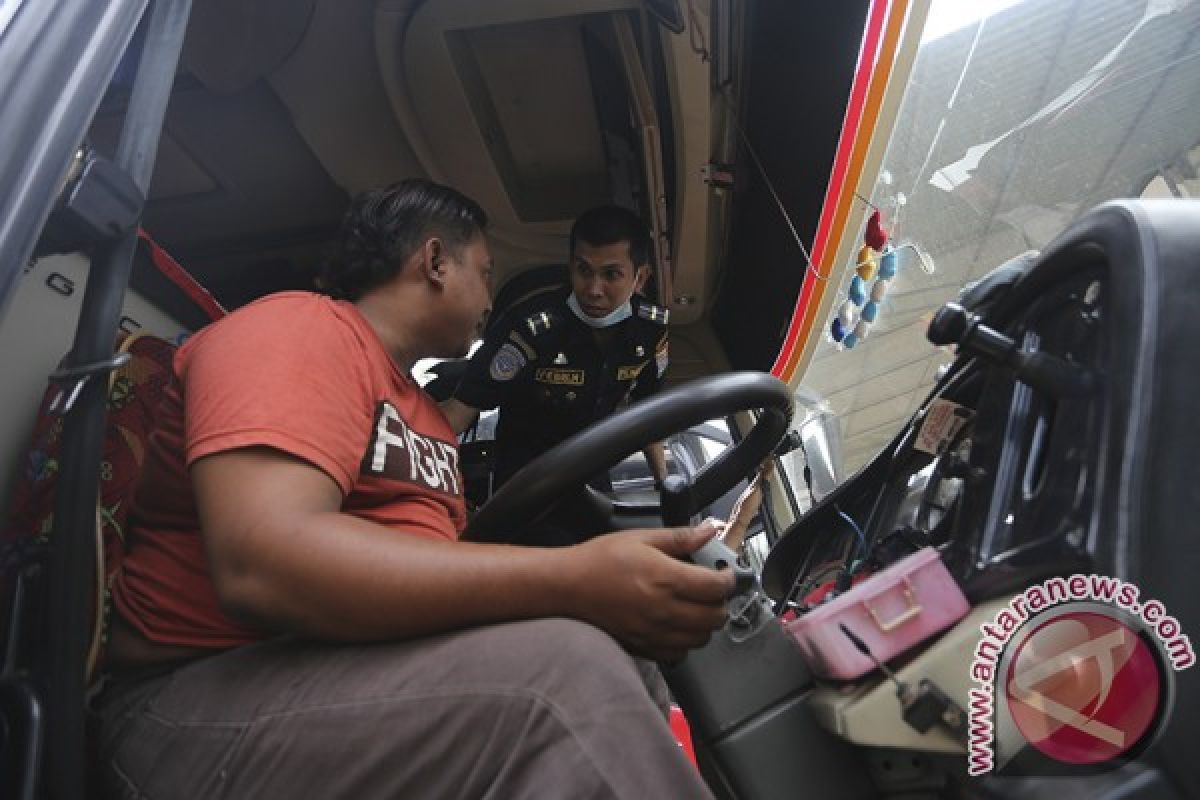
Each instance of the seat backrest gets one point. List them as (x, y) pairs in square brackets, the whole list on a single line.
[(135, 393)]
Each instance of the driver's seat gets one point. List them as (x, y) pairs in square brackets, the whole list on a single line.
[(135, 391)]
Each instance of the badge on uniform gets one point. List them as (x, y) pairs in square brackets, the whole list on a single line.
[(653, 313), (560, 359), (506, 363), (539, 323), (562, 377), (630, 372), (639, 351), (660, 357)]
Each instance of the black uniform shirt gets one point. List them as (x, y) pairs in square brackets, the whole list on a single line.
[(552, 375)]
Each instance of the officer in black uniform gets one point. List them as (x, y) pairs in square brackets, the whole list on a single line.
[(562, 360)]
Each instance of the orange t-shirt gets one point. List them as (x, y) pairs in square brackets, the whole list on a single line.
[(306, 375)]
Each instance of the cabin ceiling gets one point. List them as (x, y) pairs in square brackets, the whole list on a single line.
[(284, 109)]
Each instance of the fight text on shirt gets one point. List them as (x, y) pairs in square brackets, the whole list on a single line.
[(399, 453)]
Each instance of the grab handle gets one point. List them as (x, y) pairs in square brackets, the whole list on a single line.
[(914, 608)]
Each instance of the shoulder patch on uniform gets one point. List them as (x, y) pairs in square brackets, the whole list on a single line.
[(660, 357), (539, 323), (506, 363), (653, 313)]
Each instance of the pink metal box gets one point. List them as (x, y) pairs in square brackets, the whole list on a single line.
[(891, 611)]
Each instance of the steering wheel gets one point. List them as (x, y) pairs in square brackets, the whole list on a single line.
[(543, 483)]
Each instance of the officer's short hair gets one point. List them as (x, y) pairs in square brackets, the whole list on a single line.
[(384, 227), (611, 224)]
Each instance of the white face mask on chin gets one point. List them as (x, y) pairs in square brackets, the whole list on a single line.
[(618, 314)]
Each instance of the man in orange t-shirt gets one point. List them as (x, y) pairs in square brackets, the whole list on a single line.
[(296, 616)]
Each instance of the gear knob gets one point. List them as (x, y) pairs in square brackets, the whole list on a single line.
[(676, 501), (949, 325), (953, 324)]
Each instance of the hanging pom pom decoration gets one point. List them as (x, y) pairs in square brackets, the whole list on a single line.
[(857, 293), (867, 263), (876, 261), (880, 290), (848, 315), (887, 265), (854, 320), (878, 293), (875, 236), (867, 269)]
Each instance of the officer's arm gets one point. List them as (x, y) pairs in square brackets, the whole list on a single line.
[(479, 389), (461, 415), (647, 384), (656, 457)]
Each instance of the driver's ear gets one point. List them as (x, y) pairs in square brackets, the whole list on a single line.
[(433, 261)]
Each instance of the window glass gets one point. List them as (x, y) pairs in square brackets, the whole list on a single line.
[(686, 454), (1019, 117), (714, 438), (818, 446), (8, 9)]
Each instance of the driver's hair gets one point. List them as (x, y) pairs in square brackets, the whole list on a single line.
[(604, 225), (384, 227)]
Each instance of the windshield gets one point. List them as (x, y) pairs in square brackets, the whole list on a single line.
[(1019, 117)]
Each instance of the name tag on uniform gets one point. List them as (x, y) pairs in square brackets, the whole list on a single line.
[(629, 373), (563, 377)]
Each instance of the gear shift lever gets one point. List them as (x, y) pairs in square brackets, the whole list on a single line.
[(953, 324), (676, 502)]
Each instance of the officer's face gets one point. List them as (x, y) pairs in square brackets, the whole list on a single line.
[(604, 277), (470, 270)]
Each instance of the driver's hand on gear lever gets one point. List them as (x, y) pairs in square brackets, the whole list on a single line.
[(635, 586)]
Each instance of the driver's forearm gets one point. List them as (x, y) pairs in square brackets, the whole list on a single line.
[(283, 555), (347, 579), (657, 460)]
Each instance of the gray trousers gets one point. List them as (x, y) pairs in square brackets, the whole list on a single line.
[(549, 708)]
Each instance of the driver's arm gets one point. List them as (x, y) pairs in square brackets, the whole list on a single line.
[(285, 558)]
